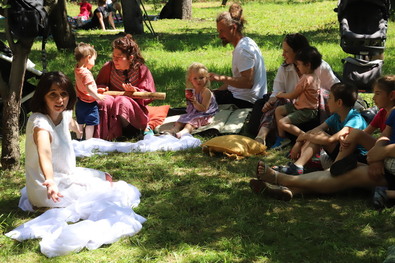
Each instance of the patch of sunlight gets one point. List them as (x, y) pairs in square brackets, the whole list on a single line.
[(368, 231), (336, 207)]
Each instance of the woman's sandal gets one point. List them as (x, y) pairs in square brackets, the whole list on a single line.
[(265, 167)]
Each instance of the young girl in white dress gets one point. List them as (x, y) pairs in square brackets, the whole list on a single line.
[(201, 103)]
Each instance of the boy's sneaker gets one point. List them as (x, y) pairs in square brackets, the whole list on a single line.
[(280, 143), (344, 165), (380, 199), (290, 168)]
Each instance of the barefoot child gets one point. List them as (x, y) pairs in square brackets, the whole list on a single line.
[(87, 111), (305, 96), (201, 105)]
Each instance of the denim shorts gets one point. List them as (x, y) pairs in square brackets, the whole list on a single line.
[(87, 113)]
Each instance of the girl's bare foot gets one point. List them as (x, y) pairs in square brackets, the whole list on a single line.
[(265, 173), (108, 178)]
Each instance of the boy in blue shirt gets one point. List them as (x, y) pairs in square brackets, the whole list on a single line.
[(327, 135)]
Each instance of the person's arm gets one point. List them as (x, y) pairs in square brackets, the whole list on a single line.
[(92, 90), (206, 98), (103, 78), (111, 20), (303, 84), (318, 131), (101, 20), (322, 138), (245, 81), (42, 139), (370, 129), (74, 127), (292, 95), (146, 83)]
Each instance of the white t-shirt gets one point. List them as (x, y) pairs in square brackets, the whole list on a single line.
[(287, 78), (247, 55)]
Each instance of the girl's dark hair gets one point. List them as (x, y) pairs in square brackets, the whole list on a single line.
[(37, 103), (309, 55), (130, 48), (347, 93), (296, 41), (386, 83), (233, 17)]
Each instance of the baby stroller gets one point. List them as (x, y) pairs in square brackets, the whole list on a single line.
[(363, 32)]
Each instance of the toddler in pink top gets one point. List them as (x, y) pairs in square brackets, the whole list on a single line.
[(86, 109), (304, 97)]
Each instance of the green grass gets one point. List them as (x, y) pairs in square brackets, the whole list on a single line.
[(200, 208)]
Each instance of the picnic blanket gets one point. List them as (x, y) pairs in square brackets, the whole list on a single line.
[(229, 120), (150, 143)]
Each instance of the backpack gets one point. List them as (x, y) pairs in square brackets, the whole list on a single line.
[(29, 19)]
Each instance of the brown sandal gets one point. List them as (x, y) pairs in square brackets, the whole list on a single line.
[(265, 167)]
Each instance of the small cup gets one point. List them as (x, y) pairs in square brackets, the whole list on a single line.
[(189, 93)]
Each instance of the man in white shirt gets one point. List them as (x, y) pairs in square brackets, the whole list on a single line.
[(248, 82)]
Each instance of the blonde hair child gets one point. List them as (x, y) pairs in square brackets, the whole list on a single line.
[(201, 104)]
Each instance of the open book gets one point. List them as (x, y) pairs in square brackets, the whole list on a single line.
[(229, 120)]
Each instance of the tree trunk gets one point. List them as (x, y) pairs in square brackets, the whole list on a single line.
[(183, 9), (132, 17), (12, 92), (11, 97), (60, 28)]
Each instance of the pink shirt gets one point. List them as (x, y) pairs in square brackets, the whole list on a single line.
[(85, 10), (308, 86), (83, 78)]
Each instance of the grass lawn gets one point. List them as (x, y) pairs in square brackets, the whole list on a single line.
[(200, 208)]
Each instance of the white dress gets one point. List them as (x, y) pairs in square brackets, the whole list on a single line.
[(92, 212)]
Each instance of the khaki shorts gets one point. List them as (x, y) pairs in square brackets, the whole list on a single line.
[(299, 116)]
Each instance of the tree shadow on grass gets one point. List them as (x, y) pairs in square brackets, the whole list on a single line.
[(201, 204)]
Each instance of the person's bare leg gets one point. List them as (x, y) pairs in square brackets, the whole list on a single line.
[(81, 127), (178, 126), (356, 137), (280, 113), (111, 21), (262, 134), (188, 128), (89, 129), (285, 124), (307, 152), (320, 181)]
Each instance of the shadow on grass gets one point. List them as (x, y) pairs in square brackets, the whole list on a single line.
[(204, 203)]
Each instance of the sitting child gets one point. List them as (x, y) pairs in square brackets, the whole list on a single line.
[(201, 103), (327, 135), (384, 98), (87, 111), (305, 96)]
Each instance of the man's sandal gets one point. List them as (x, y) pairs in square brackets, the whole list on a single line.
[(260, 176), (276, 191)]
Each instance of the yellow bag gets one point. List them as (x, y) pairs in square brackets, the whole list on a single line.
[(236, 146)]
